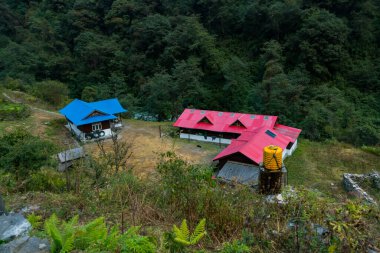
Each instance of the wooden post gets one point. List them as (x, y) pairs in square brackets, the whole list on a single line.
[(159, 130)]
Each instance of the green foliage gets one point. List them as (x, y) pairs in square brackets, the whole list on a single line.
[(95, 237), (372, 150), (235, 247), (161, 58), (53, 92), (35, 220), (46, 179), (61, 234), (183, 236), (12, 111), (134, 243), (21, 153)]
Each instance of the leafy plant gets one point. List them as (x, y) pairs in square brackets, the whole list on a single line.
[(90, 234), (35, 220), (131, 242), (94, 237), (183, 236), (235, 247), (61, 234)]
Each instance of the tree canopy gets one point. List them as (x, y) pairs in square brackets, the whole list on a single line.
[(315, 64)]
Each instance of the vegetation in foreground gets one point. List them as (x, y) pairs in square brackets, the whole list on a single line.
[(238, 220)]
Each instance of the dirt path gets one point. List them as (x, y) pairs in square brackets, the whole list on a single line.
[(31, 107)]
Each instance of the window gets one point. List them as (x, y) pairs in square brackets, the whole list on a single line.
[(232, 114), (96, 126), (220, 114), (253, 116), (192, 110), (266, 117), (203, 112), (237, 123), (270, 133), (205, 120)]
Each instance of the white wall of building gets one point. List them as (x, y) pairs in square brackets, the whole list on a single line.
[(289, 152), (81, 136), (203, 138)]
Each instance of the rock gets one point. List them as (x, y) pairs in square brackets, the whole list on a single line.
[(26, 244), (12, 226), (376, 180), (30, 209), (350, 183), (2, 206)]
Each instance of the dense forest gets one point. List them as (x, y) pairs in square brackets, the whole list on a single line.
[(316, 64)]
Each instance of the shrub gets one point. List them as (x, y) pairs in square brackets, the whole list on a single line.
[(12, 111), (235, 247), (21, 153), (52, 92), (47, 179)]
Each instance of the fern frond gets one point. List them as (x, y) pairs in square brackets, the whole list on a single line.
[(181, 241), (185, 230), (199, 232), (51, 228), (178, 233)]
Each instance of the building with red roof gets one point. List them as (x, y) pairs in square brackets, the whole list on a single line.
[(246, 134)]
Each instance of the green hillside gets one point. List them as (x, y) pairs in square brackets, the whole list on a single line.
[(313, 63)]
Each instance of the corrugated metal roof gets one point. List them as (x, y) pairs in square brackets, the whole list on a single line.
[(71, 154), (79, 111), (240, 172), (251, 144), (223, 121)]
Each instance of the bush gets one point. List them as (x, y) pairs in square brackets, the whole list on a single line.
[(235, 247), (21, 153), (47, 179), (52, 92), (12, 111)]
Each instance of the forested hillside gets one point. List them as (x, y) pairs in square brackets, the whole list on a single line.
[(313, 63)]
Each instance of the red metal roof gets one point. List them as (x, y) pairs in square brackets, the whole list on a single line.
[(252, 143), (257, 132), (291, 132), (222, 121)]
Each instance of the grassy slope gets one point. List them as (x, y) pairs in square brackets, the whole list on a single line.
[(320, 165), (317, 165)]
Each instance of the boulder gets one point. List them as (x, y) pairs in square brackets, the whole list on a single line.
[(26, 244), (13, 225)]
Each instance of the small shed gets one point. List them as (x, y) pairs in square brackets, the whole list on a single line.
[(242, 173), (66, 158)]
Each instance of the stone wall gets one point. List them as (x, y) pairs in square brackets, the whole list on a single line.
[(351, 184)]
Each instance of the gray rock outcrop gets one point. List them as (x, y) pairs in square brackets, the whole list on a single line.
[(13, 225), (26, 244)]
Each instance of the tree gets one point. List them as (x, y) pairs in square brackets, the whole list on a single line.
[(53, 92), (320, 43), (90, 94)]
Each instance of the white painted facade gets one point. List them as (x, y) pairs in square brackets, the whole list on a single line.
[(204, 138), (81, 136), (289, 152), (285, 153)]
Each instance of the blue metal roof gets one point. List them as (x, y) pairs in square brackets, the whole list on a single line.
[(79, 111)]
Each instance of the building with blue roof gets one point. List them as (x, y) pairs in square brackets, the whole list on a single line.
[(92, 120)]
